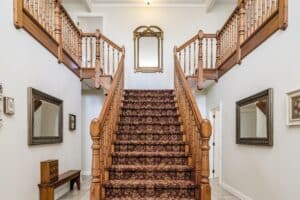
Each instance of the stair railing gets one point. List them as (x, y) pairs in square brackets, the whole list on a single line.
[(197, 131), (103, 130), (251, 23), (198, 54), (49, 22)]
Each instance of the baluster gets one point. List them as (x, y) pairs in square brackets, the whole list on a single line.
[(103, 58), (263, 10), (184, 69), (108, 61), (206, 53), (274, 7), (86, 51), (118, 57), (195, 64), (200, 62), (113, 60), (80, 49), (190, 60), (212, 64), (91, 52), (98, 60), (180, 57)]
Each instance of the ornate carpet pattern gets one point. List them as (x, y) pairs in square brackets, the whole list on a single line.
[(150, 159)]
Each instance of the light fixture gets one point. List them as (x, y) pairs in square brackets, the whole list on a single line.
[(148, 2)]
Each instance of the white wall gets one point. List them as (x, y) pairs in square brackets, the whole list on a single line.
[(263, 173), (179, 24), (25, 63), (92, 102)]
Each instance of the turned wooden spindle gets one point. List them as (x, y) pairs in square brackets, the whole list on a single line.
[(184, 60), (241, 30), (108, 59), (190, 59), (283, 14), (218, 46), (205, 189), (195, 58), (200, 60), (95, 188)]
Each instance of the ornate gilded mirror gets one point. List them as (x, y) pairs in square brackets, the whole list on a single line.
[(254, 117), (148, 49)]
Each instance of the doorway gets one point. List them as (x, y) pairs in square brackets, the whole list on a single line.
[(215, 143)]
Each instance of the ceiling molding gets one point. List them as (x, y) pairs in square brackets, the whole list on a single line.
[(89, 5), (209, 5), (173, 5)]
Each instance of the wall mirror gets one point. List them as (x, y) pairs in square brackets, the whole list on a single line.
[(45, 118), (254, 119), (148, 49)]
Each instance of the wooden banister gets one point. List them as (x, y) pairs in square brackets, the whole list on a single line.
[(250, 24), (50, 23), (197, 131), (102, 132)]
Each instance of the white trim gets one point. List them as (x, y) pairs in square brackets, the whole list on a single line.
[(209, 5), (174, 5), (86, 173), (235, 192), (89, 5)]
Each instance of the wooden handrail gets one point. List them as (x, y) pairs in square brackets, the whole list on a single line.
[(50, 23), (102, 131), (197, 131), (250, 23)]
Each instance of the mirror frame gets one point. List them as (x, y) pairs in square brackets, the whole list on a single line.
[(268, 141), (43, 96), (148, 31)]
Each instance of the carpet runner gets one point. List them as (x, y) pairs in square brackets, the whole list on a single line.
[(150, 159)]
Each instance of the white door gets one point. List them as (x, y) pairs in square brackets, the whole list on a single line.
[(215, 143)]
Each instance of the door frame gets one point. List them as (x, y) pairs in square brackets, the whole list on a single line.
[(218, 138)]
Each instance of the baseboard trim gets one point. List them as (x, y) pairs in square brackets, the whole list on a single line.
[(86, 173), (235, 192)]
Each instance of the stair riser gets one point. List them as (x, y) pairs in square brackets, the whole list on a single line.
[(146, 119), (149, 193), (149, 148), (150, 128), (130, 160), (152, 137), (150, 175), (145, 112), (149, 105), (149, 98)]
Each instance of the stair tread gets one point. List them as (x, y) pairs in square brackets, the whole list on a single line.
[(148, 108), (150, 154), (149, 123), (149, 101), (181, 184), (148, 198), (147, 142), (150, 168), (150, 132)]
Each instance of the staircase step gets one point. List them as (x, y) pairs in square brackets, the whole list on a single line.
[(145, 108), (149, 98), (148, 93), (149, 146), (147, 119), (149, 105), (150, 101), (150, 172), (149, 128), (148, 198), (151, 112), (150, 189), (149, 158), (157, 136)]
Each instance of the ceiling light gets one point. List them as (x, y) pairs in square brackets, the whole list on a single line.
[(148, 2)]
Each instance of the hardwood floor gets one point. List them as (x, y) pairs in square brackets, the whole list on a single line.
[(218, 193)]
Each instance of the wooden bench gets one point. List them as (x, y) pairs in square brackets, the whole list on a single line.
[(47, 190)]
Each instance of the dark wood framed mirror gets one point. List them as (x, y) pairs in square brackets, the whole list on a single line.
[(45, 118), (254, 119)]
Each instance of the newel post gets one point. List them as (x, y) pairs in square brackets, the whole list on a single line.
[(283, 14), (95, 190), (58, 29), (200, 60), (241, 29), (18, 13), (98, 60), (205, 189)]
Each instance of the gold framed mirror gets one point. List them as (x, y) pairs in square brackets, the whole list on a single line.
[(148, 49)]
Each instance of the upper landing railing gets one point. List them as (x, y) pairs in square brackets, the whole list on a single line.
[(49, 22), (209, 56)]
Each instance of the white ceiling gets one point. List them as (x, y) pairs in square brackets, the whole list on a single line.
[(92, 3)]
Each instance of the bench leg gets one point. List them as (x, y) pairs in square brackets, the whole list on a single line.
[(77, 181)]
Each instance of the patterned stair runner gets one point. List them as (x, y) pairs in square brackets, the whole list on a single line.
[(150, 159)]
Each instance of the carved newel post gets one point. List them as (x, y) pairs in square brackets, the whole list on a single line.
[(200, 60), (205, 189), (95, 190)]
